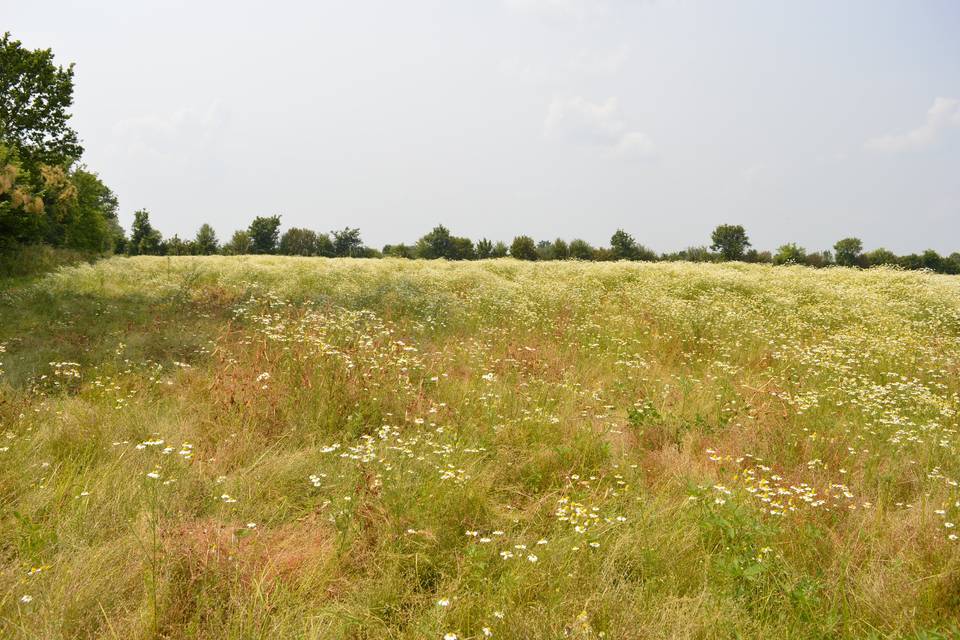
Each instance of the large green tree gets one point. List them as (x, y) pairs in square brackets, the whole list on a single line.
[(436, 244), (35, 95), (581, 250), (239, 244), (264, 234), (731, 241), (524, 248), (298, 242), (847, 252), (624, 247), (206, 242), (347, 243), (144, 239), (45, 196)]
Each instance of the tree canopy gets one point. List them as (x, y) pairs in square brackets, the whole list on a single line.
[(730, 240), (35, 95)]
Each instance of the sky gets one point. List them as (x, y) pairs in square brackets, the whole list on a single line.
[(803, 121)]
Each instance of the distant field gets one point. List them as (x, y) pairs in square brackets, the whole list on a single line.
[(313, 448)]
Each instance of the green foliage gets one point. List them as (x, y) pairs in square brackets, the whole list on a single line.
[(177, 247), (880, 257), (144, 239), (581, 250), (524, 248), (43, 196), (693, 254), (240, 244), (819, 259), (35, 95), (932, 260), (399, 251), (89, 220), (439, 243), (206, 242), (559, 250), (436, 244), (34, 259), (642, 413), (484, 249), (22, 217), (347, 243), (325, 246), (499, 250), (848, 251), (623, 246), (730, 240), (790, 254), (298, 242), (264, 234)]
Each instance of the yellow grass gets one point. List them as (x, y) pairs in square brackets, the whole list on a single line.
[(239, 447)]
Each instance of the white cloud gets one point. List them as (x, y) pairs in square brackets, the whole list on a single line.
[(580, 121), (942, 116), (558, 9), (600, 62), (636, 144), (168, 133), (754, 174), (516, 69)]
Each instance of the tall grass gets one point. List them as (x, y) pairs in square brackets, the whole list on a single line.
[(32, 260), (258, 447)]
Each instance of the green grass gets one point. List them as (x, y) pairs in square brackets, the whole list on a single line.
[(548, 450)]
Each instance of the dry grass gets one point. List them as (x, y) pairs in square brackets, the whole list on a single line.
[(309, 448)]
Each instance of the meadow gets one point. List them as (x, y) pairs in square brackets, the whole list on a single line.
[(275, 447)]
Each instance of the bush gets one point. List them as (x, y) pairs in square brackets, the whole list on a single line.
[(790, 253), (35, 259), (580, 250), (524, 248), (298, 242)]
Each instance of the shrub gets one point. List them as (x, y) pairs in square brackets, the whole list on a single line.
[(524, 248)]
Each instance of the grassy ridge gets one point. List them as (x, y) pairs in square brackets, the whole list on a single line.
[(312, 448)]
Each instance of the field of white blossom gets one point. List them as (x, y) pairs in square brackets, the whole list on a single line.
[(266, 447)]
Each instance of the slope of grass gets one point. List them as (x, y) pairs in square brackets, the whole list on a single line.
[(310, 448)]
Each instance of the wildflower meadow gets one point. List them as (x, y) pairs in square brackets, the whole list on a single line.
[(279, 447)]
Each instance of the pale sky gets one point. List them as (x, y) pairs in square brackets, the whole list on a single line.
[(803, 121)]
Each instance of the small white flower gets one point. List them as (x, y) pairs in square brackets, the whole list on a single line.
[(532, 558), (443, 602), (26, 599), (450, 636), (153, 475)]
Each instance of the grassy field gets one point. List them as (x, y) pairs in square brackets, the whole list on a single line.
[(311, 448)]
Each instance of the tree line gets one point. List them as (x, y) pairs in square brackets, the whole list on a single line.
[(48, 197), (728, 243)]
